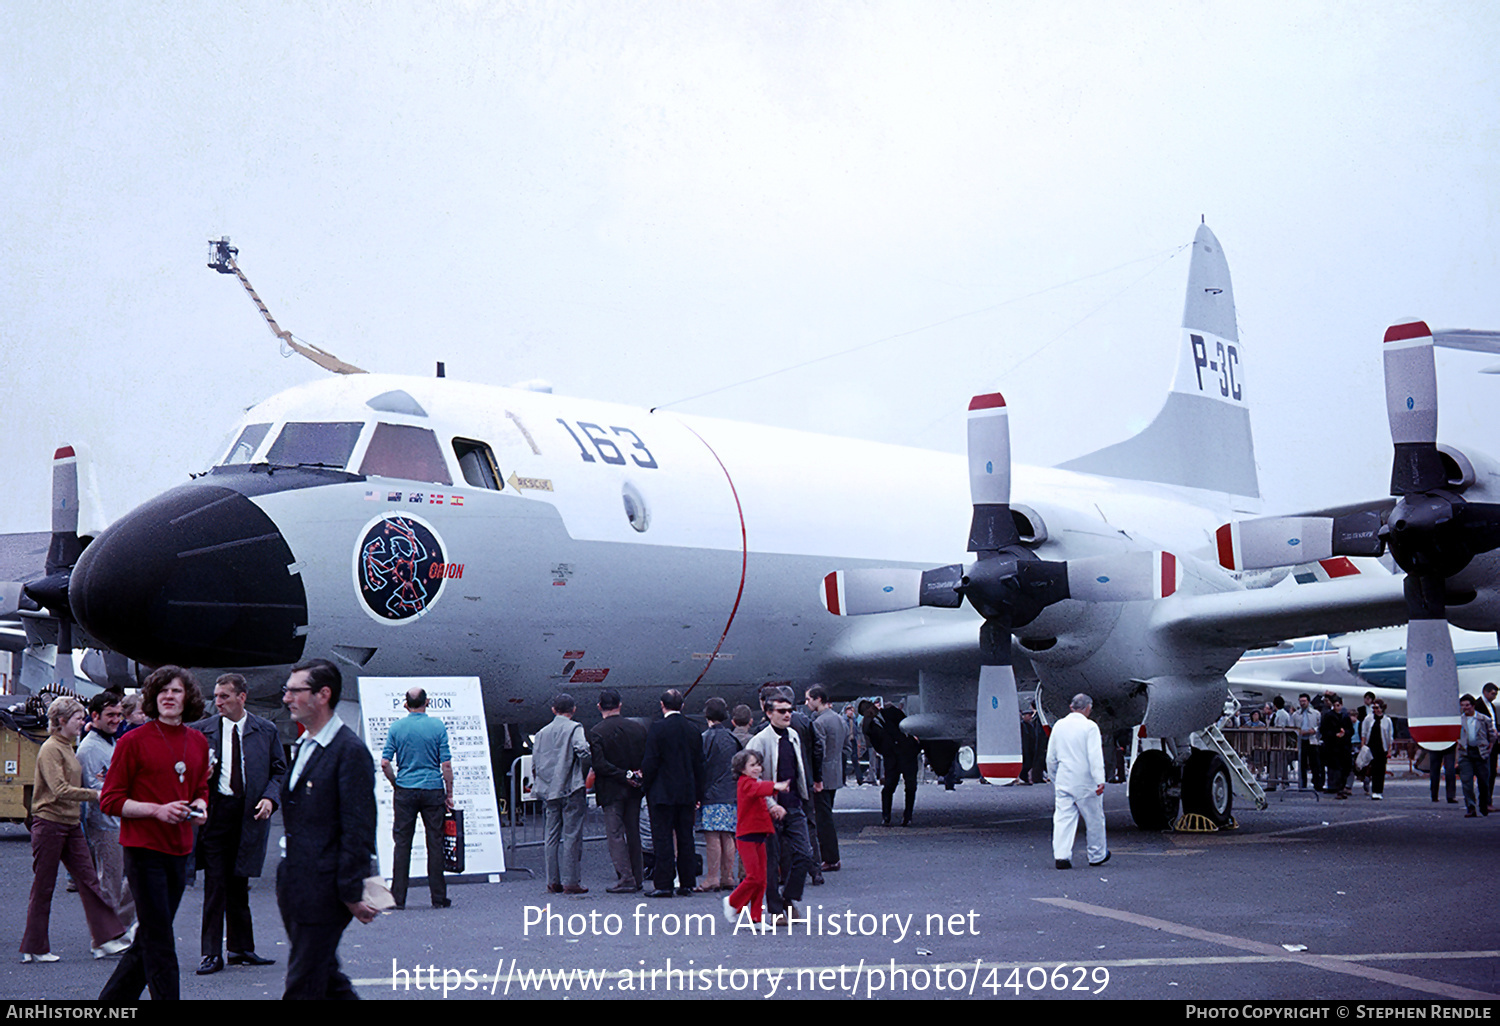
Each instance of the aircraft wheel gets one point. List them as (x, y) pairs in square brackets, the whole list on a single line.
[(1153, 804), (1207, 787)]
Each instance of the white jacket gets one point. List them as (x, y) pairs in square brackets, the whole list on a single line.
[(1075, 755)]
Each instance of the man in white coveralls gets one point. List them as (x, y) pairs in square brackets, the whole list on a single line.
[(1075, 760)]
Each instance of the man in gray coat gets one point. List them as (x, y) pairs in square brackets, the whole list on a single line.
[(559, 769), (832, 732), (244, 784)]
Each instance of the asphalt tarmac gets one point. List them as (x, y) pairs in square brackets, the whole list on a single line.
[(1309, 900)]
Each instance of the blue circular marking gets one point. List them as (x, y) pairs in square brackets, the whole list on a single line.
[(1429, 658), (1102, 580), (1410, 402), (994, 702), (989, 467), (1294, 541), (887, 588)]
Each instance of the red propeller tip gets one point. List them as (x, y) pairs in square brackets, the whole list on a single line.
[(1402, 332)]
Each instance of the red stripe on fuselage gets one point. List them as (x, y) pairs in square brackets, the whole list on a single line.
[(1168, 574)]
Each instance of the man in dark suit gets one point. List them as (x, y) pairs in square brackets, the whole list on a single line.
[(328, 807), (672, 774), (243, 789), (619, 747)]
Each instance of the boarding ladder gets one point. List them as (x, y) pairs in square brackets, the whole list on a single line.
[(1244, 777)]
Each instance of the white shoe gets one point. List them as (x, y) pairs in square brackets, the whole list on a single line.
[(1377, 797), (45, 956), (129, 937), (729, 913), (111, 947)]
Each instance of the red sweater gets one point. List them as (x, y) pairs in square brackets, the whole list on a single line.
[(142, 770), (754, 817)]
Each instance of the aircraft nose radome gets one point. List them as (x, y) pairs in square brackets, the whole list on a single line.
[(197, 576)]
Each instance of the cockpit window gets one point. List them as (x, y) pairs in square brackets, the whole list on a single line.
[(245, 445), (410, 453), (325, 445), (477, 462)]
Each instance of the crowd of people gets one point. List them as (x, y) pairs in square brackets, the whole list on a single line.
[(155, 785), (762, 794), (157, 791)]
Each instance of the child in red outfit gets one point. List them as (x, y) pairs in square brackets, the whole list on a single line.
[(753, 825)]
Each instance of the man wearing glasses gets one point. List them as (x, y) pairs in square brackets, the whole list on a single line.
[(328, 807), (780, 751)]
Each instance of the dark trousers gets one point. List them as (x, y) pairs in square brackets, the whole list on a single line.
[(897, 767), (52, 843), (157, 880), (669, 822), (1309, 757), (431, 805), (828, 838), (1474, 769), (312, 968), (225, 893), (1440, 763), (622, 833), (789, 861)]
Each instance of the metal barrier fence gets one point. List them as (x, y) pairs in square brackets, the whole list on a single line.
[(1272, 753), (523, 821)]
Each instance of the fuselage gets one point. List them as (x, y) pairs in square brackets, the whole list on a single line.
[(410, 526)]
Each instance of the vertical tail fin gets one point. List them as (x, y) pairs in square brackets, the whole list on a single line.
[(1201, 438)]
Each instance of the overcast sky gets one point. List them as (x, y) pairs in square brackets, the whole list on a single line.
[(643, 202)]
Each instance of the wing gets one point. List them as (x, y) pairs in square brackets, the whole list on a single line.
[(1266, 616)]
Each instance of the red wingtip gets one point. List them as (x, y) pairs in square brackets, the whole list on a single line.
[(987, 402), (66, 452), (1402, 332)]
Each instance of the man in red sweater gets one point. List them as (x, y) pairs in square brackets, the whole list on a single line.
[(158, 785)]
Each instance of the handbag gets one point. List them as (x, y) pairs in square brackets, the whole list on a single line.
[(1364, 758), (453, 841)]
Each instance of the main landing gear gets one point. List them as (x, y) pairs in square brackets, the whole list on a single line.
[(1160, 784)]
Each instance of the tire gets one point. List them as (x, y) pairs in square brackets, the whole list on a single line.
[(1152, 805), (1207, 788)]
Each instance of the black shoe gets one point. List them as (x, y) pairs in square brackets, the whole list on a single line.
[(1102, 861), (442, 903), (399, 906), (210, 965), (831, 867), (685, 892), (621, 889), (1452, 801), (817, 879), (906, 822), (886, 821), (1064, 864), (554, 888), (1471, 814), (669, 893), (248, 958)]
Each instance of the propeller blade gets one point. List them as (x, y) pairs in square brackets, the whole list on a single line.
[(997, 709), (10, 598), (1288, 541), (1131, 577), (1431, 671), (1412, 408), (882, 590), (989, 474)]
